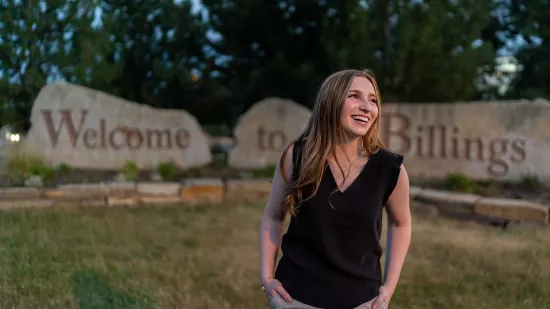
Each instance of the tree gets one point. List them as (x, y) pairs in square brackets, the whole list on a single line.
[(269, 48), (160, 57), (421, 51), (527, 20), (42, 41), (437, 52)]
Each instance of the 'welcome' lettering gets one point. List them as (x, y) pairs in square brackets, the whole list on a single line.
[(73, 132), (117, 138)]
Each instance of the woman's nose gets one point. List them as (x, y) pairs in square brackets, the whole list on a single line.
[(365, 107)]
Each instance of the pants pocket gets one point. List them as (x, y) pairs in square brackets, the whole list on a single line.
[(274, 301), (277, 302), (368, 305)]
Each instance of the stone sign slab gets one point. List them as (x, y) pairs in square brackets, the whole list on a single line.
[(93, 130), (482, 140), (264, 130)]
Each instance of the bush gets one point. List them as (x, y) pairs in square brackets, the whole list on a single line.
[(130, 171), (22, 163), (531, 181), (166, 170), (460, 182)]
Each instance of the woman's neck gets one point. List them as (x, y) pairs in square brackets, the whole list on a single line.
[(351, 148)]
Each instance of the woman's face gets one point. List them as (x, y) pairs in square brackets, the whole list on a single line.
[(360, 108)]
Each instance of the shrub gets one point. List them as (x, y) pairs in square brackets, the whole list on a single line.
[(130, 171), (460, 182), (166, 170)]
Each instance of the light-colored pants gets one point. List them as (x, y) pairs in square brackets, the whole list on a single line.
[(277, 302)]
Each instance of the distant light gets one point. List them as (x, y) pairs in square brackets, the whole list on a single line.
[(14, 137)]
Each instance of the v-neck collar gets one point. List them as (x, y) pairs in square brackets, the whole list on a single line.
[(333, 179)]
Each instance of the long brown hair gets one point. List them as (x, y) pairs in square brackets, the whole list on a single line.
[(321, 132)]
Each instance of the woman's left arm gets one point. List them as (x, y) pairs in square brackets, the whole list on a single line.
[(399, 236)]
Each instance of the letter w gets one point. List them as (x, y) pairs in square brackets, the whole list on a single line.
[(74, 132)]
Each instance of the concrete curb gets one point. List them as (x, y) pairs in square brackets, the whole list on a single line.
[(217, 191), (471, 205)]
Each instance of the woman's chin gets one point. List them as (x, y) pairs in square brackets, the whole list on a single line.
[(355, 133)]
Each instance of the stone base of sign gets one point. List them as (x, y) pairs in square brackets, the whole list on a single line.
[(23, 203), (158, 189), (152, 200), (448, 202), (69, 195), (97, 189), (195, 191), (19, 193), (218, 191), (117, 201), (510, 209)]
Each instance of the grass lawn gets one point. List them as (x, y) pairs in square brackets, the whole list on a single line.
[(206, 257)]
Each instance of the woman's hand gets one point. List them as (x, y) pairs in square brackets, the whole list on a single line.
[(383, 299), (273, 286)]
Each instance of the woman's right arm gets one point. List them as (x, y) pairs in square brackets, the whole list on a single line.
[(271, 229)]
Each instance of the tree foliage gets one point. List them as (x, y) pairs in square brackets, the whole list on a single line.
[(420, 51), (529, 21), (217, 63), (41, 41)]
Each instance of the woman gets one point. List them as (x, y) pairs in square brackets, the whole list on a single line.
[(334, 180)]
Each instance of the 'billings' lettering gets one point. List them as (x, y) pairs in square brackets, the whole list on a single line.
[(432, 141), (388, 134)]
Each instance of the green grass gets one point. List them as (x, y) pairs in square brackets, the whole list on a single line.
[(207, 257)]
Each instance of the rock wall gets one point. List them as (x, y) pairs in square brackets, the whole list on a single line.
[(219, 191), (482, 140)]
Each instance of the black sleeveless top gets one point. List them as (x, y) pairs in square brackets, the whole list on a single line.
[(331, 255)]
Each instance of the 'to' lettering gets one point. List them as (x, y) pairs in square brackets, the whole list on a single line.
[(271, 140)]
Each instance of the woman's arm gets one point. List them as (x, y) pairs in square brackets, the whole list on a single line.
[(399, 235), (271, 229)]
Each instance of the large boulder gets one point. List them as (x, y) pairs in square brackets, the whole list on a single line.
[(482, 140), (264, 130), (93, 130)]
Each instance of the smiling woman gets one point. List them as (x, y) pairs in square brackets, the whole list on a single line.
[(334, 180), (360, 106)]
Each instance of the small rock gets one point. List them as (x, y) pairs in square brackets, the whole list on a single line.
[(119, 178), (34, 181), (156, 177)]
